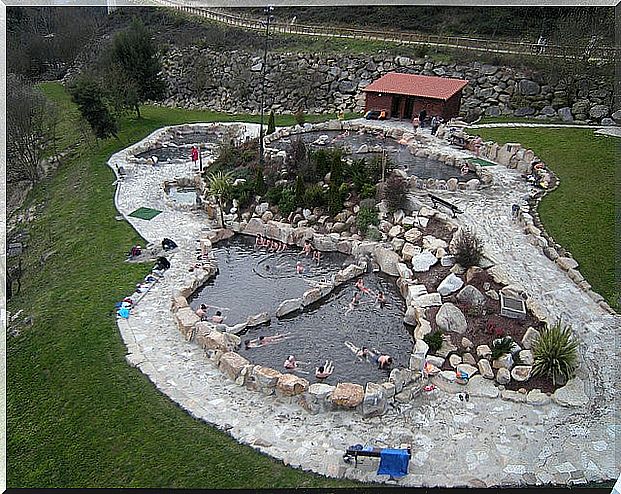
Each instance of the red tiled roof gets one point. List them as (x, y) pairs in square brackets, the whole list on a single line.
[(417, 85)]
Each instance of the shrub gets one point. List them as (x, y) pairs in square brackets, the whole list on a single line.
[(374, 168), (368, 203), (274, 194), (243, 193), (555, 353), (286, 204), (314, 197), (374, 234), (366, 217), (368, 191), (299, 162), (395, 191), (501, 347), (467, 248), (336, 166), (336, 198), (434, 340), (300, 117)]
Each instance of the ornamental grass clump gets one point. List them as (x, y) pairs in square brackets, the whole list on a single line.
[(501, 347), (467, 248), (555, 353)]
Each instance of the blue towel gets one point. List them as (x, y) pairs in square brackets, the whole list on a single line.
[(123, 312), (393, 462)]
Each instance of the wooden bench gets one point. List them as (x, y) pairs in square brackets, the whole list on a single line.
[(439, 201), (372, 453)]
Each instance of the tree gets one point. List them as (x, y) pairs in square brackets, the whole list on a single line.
[(220, 186), (135, 54), (87, 93), (271, 124), (121, 90), (30, 122)]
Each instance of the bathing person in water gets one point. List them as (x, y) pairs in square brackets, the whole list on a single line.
[(324, 370), (317, 256), (265, 340), (308, 248), (384, 361), (217, 318), (299, 268), (259, 240), (290, 363), (201, 311), (380, 299), (360, 286), (355, 302)]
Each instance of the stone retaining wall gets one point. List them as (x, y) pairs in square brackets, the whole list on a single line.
[(230, 81)]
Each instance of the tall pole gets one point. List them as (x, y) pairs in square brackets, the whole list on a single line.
[(268, 12)]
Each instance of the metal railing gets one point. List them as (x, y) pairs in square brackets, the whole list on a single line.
[(598, 53)]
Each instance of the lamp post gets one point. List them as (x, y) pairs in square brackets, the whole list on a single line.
[(268, 11)]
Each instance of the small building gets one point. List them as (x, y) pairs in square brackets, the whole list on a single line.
[(405, 95)]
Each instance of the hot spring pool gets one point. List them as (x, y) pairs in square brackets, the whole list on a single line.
[(245, 286)]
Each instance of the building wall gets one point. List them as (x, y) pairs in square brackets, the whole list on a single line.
[(374, 101), (452, 106)]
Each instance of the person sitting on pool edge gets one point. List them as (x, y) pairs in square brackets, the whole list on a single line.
[(308, 248), (324, 371), (201, 311)]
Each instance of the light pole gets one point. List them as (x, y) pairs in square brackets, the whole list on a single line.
[(268, 11)]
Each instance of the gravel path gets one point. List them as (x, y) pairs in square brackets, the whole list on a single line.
[(485, 442)]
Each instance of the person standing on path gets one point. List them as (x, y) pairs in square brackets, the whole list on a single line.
[(422, 116), (194, 155), (415, 124)]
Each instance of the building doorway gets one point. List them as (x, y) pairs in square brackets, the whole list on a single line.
[(395, 108), (409, 107)]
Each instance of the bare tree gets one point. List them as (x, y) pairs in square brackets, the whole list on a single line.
[(31, 119)]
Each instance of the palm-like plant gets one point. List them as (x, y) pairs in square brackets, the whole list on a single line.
[(220, 185), (555, 353)]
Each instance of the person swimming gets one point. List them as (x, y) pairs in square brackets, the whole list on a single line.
[(324, 371), (266, 340)]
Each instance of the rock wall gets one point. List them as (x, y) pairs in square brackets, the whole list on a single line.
[(316, 83)]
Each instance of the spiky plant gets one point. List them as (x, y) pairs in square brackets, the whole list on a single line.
[(555, 353), (467, 248), (220, 185)]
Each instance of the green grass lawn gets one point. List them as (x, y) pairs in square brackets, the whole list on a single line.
[(77, 414), (580, 214)]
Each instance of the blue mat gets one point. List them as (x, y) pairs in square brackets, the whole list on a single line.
[(393, 462)]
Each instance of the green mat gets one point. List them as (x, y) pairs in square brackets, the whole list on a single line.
[(480, 161), (145, 213)]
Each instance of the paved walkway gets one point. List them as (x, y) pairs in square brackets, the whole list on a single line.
[(486, 442)]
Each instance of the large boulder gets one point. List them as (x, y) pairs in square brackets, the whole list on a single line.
[(503, 376), (258, 319), (317, 398), (186, 318), (530, 337), (409, 251), (471, 296), (572, 394), (215, 340), (374, 402), (255, 227), (423, 261), (521, 373), (265, 378), (503, 362), (480, 387), (450, 318), (387, 260), (450, 284), (413, 235), (427, 300), (347, 395), (315, 294), (291, 385), (485, 369), (288, 306), (231, 364), (348, 273)]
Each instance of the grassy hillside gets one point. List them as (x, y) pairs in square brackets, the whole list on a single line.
[(77, 414), (580, 214)]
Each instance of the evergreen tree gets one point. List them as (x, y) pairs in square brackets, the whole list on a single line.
[(299, 190), (271, 124), (135, 54), (88, 94)]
